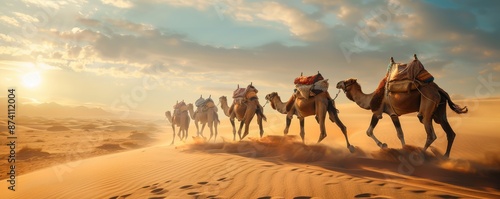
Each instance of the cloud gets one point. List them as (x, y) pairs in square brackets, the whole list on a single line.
[(9, 20), (298, 23), (118, 3)]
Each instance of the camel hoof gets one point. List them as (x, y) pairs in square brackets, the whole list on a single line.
[(383, 146), (351, 148), (321, 137)]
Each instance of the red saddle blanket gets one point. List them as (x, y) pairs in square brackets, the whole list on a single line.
[(308, 80)]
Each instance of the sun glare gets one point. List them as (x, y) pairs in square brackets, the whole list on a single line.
[(31, 80)]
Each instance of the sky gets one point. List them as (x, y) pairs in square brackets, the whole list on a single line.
[(143, 56)]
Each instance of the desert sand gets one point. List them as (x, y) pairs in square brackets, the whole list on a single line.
[(122, 166)]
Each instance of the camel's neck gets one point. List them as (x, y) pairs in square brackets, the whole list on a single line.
[(279, 105), (191, 112), (225, 107), (356, 94), (169, 117)]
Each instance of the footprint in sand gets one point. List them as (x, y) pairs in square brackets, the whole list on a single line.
[(267, 165), (193, 193), (264, 197), (122, 196), (158, 197), (381, 184), (159, 191), (295, 169), (369, 181), (447, 196), (418, 191), (186, 187), (202, 183), (370, 195), (302, 197), (212, 196), (147, 186), (221, 179)]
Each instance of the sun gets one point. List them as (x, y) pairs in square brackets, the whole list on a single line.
[(32, 79)]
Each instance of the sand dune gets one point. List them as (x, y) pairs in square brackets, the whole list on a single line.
[(111, 161), (272, 167)]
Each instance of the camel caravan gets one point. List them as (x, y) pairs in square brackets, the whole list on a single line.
[(406, 88)]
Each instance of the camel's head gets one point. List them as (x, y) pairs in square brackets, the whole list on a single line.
[(345, 85), (222, 99), (270, 96), (190, 106)]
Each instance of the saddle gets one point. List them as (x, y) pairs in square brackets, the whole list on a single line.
[(407, 77), (241, 95), (308, 80), (308, 86)]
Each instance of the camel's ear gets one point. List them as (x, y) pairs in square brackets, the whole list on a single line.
[(392, 60), (209, 96), (415, 56), (301, 73), (354, 80), (251, 83), (238, 86)]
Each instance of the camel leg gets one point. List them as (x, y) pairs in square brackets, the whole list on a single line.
[(202, 128), (334, 117), (369, 132), (197, 129), (210, 126), (397, 124), (173, 129), (288, 122), (429, 129), (210, 121), (450, 135), (249, 114), (234, 129), (302, 132), (441, 118), (215, 126), (241, 127), (259, 122), (320, 118)]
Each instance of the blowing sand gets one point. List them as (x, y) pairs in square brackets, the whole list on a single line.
[(271, 167)]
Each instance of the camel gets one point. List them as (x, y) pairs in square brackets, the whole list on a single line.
[(276, 104), (180, 118), (244, 111), (429, 100), (318, 106), (205, 115)]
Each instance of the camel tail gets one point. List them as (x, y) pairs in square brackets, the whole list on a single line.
[(457, 109)]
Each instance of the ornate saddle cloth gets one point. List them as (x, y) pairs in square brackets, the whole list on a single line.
[(402, 86), (412, 71), (308, 80), (239, 92), (307, 91)]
